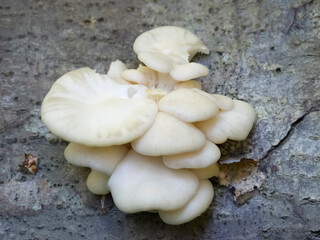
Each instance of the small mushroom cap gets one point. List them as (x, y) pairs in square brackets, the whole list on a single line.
[(188, 71), (234, 124), (197, 205), (102, 159), (204, 157), (169, 135), (93, 109), (156, 60), (97, 183), (164, 47), (188, 105), (115, 71), (154, 81), (223, 102), (188, 84), (134, 75), (143, 183), (207, 172)]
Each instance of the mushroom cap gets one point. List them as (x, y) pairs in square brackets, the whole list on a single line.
[(151, 79), (188, 84), (169, 135), (164, 47), (187, 71), (207, 172), (188, 105), (197, 205), (204, 157), (134, 75), (144, 183), (115, 71), (97, 183), (93, 109), (102, 159), (223, 102), (234, 124)]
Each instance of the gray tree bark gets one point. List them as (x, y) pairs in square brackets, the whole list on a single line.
[(264, 52)]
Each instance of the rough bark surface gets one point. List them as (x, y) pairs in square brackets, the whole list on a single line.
[(264, 52)]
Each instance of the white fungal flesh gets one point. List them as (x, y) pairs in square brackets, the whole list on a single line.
[(134, 76), (143, 183), (188, 105), (165, 47), (159, 111), (207, 172), (102, 159), (115, 71), (188, 71), (197, 205), (223, 102), (234, 124), (188, 84), (202, 158), (97, 183), (92, 109), (169, 135)]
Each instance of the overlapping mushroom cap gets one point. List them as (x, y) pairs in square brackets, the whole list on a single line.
[(168, 50), (148, 134), (93, 109), (143, 183), (234, 124), (197, 205)]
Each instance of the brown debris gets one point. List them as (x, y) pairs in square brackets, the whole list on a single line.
[(243, 177), (30, 163)]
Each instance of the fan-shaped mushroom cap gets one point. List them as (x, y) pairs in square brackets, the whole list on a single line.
[(202, 158), (153, 80), (134, 75), (97, 183), (188, 84), (143, 183), (102, 159), (207, 172), (92, 109), (163, 48), (188, 71), (234, 124), (223, 102), (115, 71), (169, 135), (188, 105), (197, 205)]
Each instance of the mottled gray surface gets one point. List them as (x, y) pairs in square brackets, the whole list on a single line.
[(264, 52)]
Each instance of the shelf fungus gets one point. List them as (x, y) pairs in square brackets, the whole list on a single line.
[(149, 134)]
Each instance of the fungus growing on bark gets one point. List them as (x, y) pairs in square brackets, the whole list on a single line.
[(168, 49), (169, 135), (110, 113), (171, 124), (202, 158), (197, 205), (144, 183), (97, 183), (234, 124), (102, 159)]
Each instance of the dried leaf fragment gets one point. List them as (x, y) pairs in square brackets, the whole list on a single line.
[(244, 177), (31, 163)]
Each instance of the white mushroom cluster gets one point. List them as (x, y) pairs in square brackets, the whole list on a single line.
[(148, 134)]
